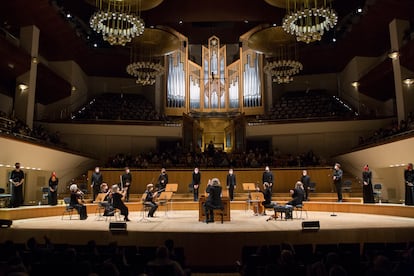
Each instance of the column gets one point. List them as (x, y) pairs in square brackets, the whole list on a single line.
[(24, 103), (397, 28)]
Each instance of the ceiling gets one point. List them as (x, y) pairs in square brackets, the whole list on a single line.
[(63, 38)]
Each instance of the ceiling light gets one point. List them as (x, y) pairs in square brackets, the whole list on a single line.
[(359, 10), (334, 39), (307, 20), (393, 55), (180, 22)]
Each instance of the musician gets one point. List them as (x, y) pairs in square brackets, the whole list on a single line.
[(213, 200), (196, 179), (231, 183), (268, 177), (53, 184), (409, 184), (76, 201), (337, 179), (16, 186), (368, 194), (162, 180), (126, 181), (298, 194), (96, 181), (150, 199), (305, 179), (116, 198)]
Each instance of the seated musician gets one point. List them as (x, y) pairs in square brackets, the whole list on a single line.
[(150, 199), (76, 201), (298, 195), (213, 200), (267, 203), (117, 197)]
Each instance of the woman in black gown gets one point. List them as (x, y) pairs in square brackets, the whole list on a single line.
[(367, 185)]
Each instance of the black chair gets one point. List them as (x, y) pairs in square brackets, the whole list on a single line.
[(68, 209), (377, 192), (312, 187), (300, 208), (347, 186)]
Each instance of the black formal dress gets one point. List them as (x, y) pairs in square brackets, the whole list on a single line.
[(150, 200), (52, 197), (409, 189), (367, 192), (96, 181), (16, 191), (75, 197), (126, 182), (231, 183), (213, 201), (196, 180), (338, 182), (305, 179), (119, 204)]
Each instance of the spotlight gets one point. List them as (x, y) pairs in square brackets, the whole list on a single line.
[(393, 55)]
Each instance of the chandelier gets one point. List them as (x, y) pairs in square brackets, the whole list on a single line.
[(280, 50), (282, 70), (117, 21), (145, 72), (309, 19), (147, 51)]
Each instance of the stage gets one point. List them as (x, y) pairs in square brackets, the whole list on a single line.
[(226, 240)]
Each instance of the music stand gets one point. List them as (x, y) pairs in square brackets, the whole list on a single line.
[(173, 188), (163, 200), (249, 187)]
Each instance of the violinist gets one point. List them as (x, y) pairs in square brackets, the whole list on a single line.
[(117, 197), (76, 201), (150, 197)]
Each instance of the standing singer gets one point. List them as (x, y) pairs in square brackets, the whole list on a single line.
[(16, 186), (126, 180), (337, 179)]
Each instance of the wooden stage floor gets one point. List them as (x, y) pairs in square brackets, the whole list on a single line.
[(218, 243)]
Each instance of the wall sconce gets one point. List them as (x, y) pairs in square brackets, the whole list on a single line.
[(73, 88), (22, 86), (408, 81), (355, 84), (393, 55), (34, 60)]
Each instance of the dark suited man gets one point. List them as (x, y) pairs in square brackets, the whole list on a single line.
[(337, 179), (213, 200), (231, 183), (126, 182), (305, 179), (196, 179), (162, 180), (96, 181), (268, 177), (409, 185)]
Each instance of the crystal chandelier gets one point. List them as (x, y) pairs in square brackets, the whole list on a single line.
[(309, 19), (282, 70), (147, 51), (145, 72), (116, 20)]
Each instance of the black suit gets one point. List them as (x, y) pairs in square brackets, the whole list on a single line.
[(306, 183), (196, 180), (149, 200), (231, 183), (126, 182), (409, 190), (213, 201), (268, 177), (338, 182), (17, 198), (297, 197), (96, 181)]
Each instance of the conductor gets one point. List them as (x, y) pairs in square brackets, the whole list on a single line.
[(213, 200)]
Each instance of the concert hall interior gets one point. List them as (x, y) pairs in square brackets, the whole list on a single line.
[(142, 89)]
